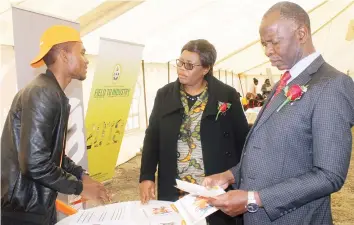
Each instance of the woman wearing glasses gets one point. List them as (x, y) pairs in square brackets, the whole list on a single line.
[(186, 138)]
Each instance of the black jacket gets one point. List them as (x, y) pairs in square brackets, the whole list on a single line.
[(222, 140), (31, 149)]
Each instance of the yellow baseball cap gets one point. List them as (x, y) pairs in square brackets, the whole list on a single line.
[(52, 36)]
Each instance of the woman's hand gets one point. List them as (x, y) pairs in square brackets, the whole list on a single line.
[(147, 191)]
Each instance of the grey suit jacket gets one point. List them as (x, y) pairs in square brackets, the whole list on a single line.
[(297, 157)]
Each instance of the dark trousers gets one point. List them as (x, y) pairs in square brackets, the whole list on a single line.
[(22, 218), (13, 221)]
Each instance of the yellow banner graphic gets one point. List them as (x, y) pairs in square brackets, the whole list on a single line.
[(111, 95)]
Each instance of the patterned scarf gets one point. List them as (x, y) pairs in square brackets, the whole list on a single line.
[(189, 149)]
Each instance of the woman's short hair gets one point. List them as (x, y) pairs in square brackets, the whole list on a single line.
[(205, 50)]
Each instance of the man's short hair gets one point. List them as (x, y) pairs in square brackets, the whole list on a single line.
[(291, 11), (51, 56)]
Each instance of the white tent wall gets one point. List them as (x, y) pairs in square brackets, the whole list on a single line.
[(329, 24), (8, 81)]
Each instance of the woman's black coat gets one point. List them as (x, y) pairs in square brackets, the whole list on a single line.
[(222, 139)]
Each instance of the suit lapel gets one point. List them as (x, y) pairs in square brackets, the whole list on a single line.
[(302, 79)]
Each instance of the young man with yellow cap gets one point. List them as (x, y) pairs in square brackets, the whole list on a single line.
[(34, 167)]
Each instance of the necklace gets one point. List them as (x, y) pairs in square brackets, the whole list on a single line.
[(193, 98)]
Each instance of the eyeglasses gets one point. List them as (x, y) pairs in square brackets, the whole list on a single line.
[(187, 65)]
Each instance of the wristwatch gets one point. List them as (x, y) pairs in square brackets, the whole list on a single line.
[(251, 206)]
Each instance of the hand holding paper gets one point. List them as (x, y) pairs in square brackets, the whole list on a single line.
[(194, 207), (231, 203), (199, 190), (221, 179)]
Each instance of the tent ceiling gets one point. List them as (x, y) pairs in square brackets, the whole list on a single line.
[(104, 13), (90, 13), (165, 26), (66, 9)]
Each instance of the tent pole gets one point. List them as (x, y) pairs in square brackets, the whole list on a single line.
[(232, 78), (168, 72), (239, 78), (225, 76), (143, 70)]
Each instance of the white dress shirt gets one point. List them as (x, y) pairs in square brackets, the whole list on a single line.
[(300, 66)]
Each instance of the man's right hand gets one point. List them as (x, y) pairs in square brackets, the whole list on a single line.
[(147, 191), (221, 179), (93, 190)]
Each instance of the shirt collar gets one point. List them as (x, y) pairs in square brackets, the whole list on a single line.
[(300, 66)]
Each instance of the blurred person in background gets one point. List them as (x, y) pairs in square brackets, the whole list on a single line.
[(254, 87), (266, 87)]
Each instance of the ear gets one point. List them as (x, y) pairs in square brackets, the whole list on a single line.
[(302, 34), (63, 55), (206, 70)]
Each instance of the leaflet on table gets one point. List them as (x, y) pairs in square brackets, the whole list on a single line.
[(103, 215), (157, 213)]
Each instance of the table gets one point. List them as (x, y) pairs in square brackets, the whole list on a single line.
[(126, 213)]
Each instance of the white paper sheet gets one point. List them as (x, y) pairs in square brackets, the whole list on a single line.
[(194, 209), (157, 213), (102, 215), (199, 190)]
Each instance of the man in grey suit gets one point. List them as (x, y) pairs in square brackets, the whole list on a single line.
[(296, 157)]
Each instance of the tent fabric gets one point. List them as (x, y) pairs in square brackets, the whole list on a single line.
[(330, 25), (66, 9), (165, 26)]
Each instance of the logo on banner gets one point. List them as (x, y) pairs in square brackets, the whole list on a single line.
[(116, 73)]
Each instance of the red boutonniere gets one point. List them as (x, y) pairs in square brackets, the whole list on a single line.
[(293, 93), (222, 108)]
